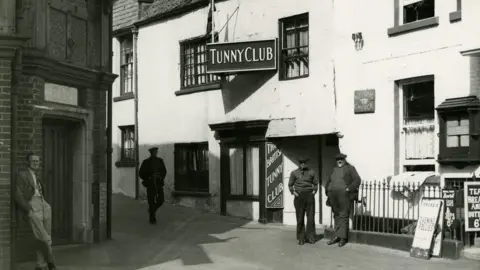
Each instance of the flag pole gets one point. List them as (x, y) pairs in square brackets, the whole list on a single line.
[(212, 6)]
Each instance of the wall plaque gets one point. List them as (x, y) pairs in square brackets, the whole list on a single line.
[(274, 181), (472, 206), (61, 94), (364, 101)]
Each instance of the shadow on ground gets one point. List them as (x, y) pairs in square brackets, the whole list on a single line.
[(179, 235)]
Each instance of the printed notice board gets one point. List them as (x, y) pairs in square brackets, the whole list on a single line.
[(274, 177), (425, 230), (472, 206)]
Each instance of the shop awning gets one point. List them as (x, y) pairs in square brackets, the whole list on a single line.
[(414, 180), (285, 127)]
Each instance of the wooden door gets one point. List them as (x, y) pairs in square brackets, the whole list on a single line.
[(58, 177)]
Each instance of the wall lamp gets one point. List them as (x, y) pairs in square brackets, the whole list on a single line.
[(358, 39)]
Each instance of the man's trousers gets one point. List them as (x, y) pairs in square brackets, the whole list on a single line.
[(341, 207), (41, 223), (305, 204), (155, 199)]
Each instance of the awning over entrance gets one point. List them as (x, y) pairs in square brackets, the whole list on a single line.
[(470, 50), (414, 180), (285, 127)]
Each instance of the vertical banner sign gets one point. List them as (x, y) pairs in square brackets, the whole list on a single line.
[(449, 198), (472, 206), (274, 174), (426, 226)]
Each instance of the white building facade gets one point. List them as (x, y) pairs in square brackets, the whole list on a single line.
[(346, 81)]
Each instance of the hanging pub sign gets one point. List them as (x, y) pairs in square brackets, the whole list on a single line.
[(274, 173), (231, 57), (364, 101), (472, 206)]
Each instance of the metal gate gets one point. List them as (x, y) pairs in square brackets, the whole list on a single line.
[(58, 177)]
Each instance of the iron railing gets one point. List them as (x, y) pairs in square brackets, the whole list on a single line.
[(393, 208)]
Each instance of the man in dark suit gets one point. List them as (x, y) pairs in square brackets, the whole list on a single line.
[(342, 190), (303, 185), (36, 211), (153, 172)]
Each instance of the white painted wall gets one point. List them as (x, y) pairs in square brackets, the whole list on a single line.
[(165, 119), (123, 179)]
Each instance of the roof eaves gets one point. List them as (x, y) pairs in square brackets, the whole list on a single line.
[(182, 9)]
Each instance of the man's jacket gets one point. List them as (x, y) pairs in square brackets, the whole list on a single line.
[(352, 181), (25, 189), (153, 166)]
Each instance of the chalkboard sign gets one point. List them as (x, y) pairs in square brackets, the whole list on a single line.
[(426, 227), (274, 181), (364, 101), (472, 206)]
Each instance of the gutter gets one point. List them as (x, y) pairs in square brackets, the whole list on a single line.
[(135, 91), (109, 129)]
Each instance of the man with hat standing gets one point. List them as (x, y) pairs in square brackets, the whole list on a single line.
[(342, 189), (303, 185), (153, 172)]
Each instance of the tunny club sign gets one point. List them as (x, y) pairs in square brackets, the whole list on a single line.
[(232, 57)]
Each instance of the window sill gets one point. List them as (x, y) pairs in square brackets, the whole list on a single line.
[(123, 97), (200, 88), (125, 164), (413, 26), (243, 198), (178, 193), (455, 16), (295, 78)]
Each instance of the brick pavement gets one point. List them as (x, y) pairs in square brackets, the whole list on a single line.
[(190, 239)]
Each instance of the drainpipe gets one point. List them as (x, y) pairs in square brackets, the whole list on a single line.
[(13, 156), (109, 130), (135, 91)]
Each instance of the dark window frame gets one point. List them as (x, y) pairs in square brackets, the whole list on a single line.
[(126, 64), (283, 51), (124, 157), (419, 10), (210, 79), (199, 178)]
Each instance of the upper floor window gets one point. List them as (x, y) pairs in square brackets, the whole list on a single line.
[(415, 10), (294, 43), (128, 143), (193, 63), (126, 66), (417, 124)]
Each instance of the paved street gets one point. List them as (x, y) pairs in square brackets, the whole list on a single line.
[(189, 239)]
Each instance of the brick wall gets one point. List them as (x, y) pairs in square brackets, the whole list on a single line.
[(29, 138), (5, 75), (124, 13)]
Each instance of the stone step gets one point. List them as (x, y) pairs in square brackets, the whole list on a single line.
[(472, 253)]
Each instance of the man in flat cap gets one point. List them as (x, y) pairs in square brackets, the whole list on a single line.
[(342, 190), (153, 172), (304, 185)]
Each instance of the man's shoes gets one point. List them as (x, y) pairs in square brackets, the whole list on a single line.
[(310, 241), (342, 243), (333, 241), (301, 242)]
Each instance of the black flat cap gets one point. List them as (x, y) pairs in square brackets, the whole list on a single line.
[(303, 160), (340, 156), (152, 149)]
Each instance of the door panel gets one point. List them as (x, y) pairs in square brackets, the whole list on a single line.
[(57, 177)]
